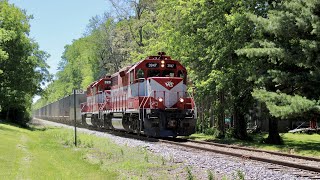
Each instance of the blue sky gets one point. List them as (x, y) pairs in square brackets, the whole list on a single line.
[(56, 23)]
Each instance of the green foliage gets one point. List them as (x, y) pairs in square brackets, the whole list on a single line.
[(22, 64), (189, 173), (229, 48), (284, 53), (210, 131), (240, 175), (282, 105), (211, 176)]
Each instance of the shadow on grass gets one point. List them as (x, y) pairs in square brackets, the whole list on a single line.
[(313, 147), (26, 127), (6, 128)]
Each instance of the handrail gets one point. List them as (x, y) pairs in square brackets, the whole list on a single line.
[(143, 110), (195, 106), (84, 105)]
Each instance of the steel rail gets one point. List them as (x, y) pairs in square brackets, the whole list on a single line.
[(257, 150)]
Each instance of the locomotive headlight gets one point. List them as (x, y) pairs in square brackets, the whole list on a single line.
[(162, 65), (181, 100), (160, 99), (162, 62)]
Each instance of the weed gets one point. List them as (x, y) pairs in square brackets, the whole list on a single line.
[(189, 173), (211, 176), (240, 175), (224, 177), (230, 132), (146, 158), (108, 155), (171, 158), (67, 142), (163, 160), (210, 131), (79, 142), (122, 153), (89, 144)]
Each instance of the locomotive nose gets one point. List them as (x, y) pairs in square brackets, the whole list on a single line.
[(166, 90)]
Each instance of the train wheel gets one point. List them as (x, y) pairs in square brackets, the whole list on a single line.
[(97, 121), (133, 123), (94, 121), (126, 122), (83, 118), (107, 121)]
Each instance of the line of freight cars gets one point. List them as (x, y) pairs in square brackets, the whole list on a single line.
[(62, 111)]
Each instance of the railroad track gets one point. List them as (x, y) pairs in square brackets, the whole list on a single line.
[(308, 167)]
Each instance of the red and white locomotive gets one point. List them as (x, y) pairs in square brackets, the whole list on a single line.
[(149, 97)]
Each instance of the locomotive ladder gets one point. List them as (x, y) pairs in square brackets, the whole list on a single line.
[(143, 107), (104, 104)]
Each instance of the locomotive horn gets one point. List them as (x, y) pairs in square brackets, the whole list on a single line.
[(161, 54)]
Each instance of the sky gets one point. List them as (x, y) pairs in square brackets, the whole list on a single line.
[(56, 23)]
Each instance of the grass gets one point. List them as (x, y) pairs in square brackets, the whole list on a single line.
[(301, 144), (50, 154)]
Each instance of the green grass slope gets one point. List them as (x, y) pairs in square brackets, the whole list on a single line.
[(50, 154)]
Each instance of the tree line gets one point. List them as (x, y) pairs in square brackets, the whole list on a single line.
[(22, 64), (241, 55)]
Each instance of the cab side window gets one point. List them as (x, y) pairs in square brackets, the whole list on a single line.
[(180, 74), (140, 73), (183, 75)]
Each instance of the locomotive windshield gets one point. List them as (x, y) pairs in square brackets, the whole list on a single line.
[(153, 73), (158, 73), (167, 73)]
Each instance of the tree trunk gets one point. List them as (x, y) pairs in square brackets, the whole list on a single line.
[(211, 116), (221, 116), (240, 124), (8, 114), (273, 137)]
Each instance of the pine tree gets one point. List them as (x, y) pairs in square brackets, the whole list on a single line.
[(285, 53)]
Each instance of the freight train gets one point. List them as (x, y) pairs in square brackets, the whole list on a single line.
[(148, 97)]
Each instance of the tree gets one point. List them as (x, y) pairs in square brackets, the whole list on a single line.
[(286, 50), (205, 35), (23, 65), (135, 12)]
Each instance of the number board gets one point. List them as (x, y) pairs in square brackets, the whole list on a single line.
[(79, 91), (170, 65), (152, 65)]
